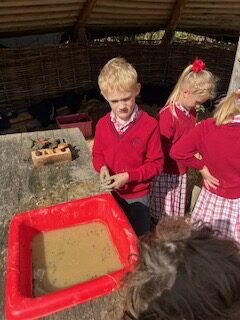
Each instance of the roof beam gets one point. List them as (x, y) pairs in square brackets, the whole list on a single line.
[(235, 78), (83, 17), (175, 17)]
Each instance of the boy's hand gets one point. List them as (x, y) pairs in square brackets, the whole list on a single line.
[(104, 175), (116, 181), (209, 181)]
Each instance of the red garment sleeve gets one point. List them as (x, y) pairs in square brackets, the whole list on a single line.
[(167, 130), (153, 163), (98, 159), (186, 147)]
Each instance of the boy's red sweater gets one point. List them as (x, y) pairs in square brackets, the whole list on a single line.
[(171, 130), (136, 151), (219, 147)]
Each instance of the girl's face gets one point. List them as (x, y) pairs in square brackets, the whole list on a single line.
[(192, 100), (122, 103)]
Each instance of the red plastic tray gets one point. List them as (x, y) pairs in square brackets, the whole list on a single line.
[(20, 304)]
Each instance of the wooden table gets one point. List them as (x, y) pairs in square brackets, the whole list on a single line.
[(23, 187)]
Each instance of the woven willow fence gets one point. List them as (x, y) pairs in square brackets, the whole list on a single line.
[(29, 75)]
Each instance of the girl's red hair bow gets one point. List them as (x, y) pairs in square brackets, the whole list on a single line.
[(198, 65)]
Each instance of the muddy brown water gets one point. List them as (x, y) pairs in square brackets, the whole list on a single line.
[(65, 257)]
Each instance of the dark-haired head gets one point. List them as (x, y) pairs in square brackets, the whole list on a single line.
[(184, 273)]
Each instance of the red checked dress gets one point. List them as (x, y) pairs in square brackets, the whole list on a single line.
[(168, 190)]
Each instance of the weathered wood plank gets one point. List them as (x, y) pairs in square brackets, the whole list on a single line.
[(108, 307), (10, 150), (83, 312), (84, 180)]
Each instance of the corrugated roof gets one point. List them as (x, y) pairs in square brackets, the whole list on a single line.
[(107, 16)]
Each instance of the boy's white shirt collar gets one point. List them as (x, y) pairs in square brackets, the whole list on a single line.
[(122, 126)]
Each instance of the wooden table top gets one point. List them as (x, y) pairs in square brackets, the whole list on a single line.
[(23, 187)]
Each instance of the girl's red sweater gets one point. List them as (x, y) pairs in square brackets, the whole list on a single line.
[(219, 147), (136, 151), (171, 130)]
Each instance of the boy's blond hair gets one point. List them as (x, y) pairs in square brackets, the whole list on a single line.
[(227, 108), (117, 75), (202, 83)]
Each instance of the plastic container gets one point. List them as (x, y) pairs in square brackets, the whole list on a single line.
[(81, 121), (20, 303)]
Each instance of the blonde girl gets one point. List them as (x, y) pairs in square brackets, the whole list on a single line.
[(217, 140), (195, 86)]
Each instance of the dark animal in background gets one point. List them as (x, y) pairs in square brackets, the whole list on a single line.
[(5, 119), (46, 110), (92, 93), (43, 111), (156, 95), (72, 100), (210, 104), (2, 46), (65, 38), (4, 122)]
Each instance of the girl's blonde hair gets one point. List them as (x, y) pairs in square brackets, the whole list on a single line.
[(227, 108), (200, 83), (117, 74)]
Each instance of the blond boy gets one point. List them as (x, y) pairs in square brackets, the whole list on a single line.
[(127, 151)]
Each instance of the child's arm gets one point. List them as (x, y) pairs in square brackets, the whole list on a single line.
[(153, 160), (98, 159), (209, 181), (185, 151), (167, 130)]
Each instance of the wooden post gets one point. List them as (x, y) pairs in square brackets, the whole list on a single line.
[(175, 17), (79, 29), (235, 78), (80, 36)]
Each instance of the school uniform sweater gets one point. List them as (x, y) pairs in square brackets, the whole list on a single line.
[(136, 151), (219, 147), (171, 130)]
